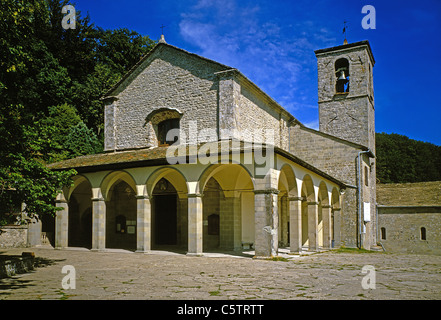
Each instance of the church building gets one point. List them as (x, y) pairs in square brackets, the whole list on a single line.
[(199, 158)]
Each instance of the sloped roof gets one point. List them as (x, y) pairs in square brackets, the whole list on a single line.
[(158, 156), (409, 194)]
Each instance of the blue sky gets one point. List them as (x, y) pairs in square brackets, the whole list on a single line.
[(273, 43)]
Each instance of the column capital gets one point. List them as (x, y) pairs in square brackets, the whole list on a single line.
[(195, 195), (313, 203), (98, 199), (61, 201), (296, 198), (267, 191), (142, 197), (336, 209), (327, 206)]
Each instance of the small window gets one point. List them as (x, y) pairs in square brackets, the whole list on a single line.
[(366, 176), (163, 128), (121, 225), (423, 233), (383, 233)]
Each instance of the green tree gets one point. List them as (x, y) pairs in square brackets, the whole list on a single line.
[(400, 159), (82, 141), (51, 80), (24, 177)]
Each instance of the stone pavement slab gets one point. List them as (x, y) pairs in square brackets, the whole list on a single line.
[(120, 274)]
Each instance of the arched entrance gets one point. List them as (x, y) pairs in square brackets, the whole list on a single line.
[(228, 207), (121, 216), (167, 188), (309, 214), (165, 214), (287, 192), (80, 216), (211, 203)]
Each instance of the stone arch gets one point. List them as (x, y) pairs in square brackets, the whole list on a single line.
[(155, 118), (335, 198), (80, 213), (167, 188), (214, 169), (173, 175), (236, 203), (113, 177), (287, 185), (118, 188), (121, 206), (308, 195), (323, 222), (77, 180), (307, 190), (287, 179)]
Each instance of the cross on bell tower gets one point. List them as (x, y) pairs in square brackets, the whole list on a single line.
[(162, 40), (344, 31)]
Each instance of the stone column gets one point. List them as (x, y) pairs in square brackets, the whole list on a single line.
[(295, 224), (61, 223), (313, 225), (143, 223), (195, 224), (327, 226), (98, 224), (337, 227), (230, 223), (266, 223), (34, 232)]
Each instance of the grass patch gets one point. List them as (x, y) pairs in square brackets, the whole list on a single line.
[(277, 258), (214, 293), (353, 250)]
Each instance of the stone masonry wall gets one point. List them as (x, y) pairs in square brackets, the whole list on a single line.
[(13, 236), (168, 79), (199, 89), (255, 113), (349, 116), (403, 229)]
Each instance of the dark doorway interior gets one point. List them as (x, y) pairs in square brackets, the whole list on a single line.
[(166, 219)]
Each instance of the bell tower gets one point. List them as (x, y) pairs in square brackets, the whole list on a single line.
[(346, 93)]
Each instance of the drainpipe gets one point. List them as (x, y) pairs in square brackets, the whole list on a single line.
[(360, 188)]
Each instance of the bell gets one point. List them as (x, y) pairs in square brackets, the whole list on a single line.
[(342, 76)]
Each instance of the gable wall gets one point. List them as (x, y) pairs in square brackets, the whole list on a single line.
[(169, 79)]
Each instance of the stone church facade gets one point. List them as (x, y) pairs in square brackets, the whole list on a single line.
[(198, 157)]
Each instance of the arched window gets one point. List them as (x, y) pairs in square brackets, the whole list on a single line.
[(383, 233), (163, 128), (423, 233), (342, 76), (159, 122)]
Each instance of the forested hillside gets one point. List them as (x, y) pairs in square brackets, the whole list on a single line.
[(51, 80), (400, 159)]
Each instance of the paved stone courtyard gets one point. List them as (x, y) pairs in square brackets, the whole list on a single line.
[(120, 274)]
